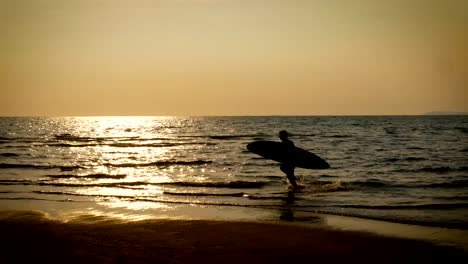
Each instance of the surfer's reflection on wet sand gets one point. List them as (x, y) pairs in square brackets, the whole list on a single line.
[(288, 213)]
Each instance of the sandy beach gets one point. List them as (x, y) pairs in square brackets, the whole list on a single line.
[(30, 237)]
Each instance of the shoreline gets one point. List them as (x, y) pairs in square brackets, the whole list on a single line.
[(93, 213), (32, 235)]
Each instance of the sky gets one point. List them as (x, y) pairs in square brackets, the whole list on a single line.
[(232, 57)]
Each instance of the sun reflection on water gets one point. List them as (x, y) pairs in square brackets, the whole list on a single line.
[(128, 146)]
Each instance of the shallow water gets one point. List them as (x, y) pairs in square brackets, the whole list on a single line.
[(402, 169)]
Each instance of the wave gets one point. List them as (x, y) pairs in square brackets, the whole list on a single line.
[(231, 184), (89, 176), (314, 209), (271, 177), (120, 141), (436, 169), (65, 145), (441, 169), (128, 197), (371, 183), (18, 146), (224, 137), (160, 145), (282, 198), (85, 194), (160, 163), (144, 199), (450, 184), (8, 155), (132, 197), (395, 219), (376, 183), (279, 196), (404, 159), (454, 197), (10, 192), (416, 148), (267, 164), (437, 206), (156, 199), (63, 193), (303, 135), (462, 129), (126, 145), (19, 139), (324, 185), (77, 167), (42, 167), (338, 136), (36, 199), (334, 187), (328, 176), (64, 184), (240, 194), (70, 137), (414, 159)]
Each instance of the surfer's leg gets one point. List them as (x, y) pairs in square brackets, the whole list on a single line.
[(292, 180), (284, 168), (289, 171)]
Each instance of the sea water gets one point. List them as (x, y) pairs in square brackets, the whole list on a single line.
[(408, 169)]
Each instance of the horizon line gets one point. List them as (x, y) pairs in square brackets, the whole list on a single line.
[(253, 115)]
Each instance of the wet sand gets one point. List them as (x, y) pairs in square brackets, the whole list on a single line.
[(31, 237)]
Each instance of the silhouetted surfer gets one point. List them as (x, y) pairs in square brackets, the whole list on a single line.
[(287, 166)]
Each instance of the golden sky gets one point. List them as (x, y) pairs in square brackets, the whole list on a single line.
[(232, 57)]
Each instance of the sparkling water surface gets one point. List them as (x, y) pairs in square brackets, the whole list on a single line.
[(411, 169)]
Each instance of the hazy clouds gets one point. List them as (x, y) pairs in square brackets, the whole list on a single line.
[(232, 57)]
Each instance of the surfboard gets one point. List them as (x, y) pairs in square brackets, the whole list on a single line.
[(277, 151)]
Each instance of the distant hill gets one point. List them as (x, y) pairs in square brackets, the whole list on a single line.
[(446, 113)]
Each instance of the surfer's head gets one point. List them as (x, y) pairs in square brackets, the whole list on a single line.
[(283, 134)]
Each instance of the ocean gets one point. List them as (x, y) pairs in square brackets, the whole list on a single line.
[(404, 169)]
